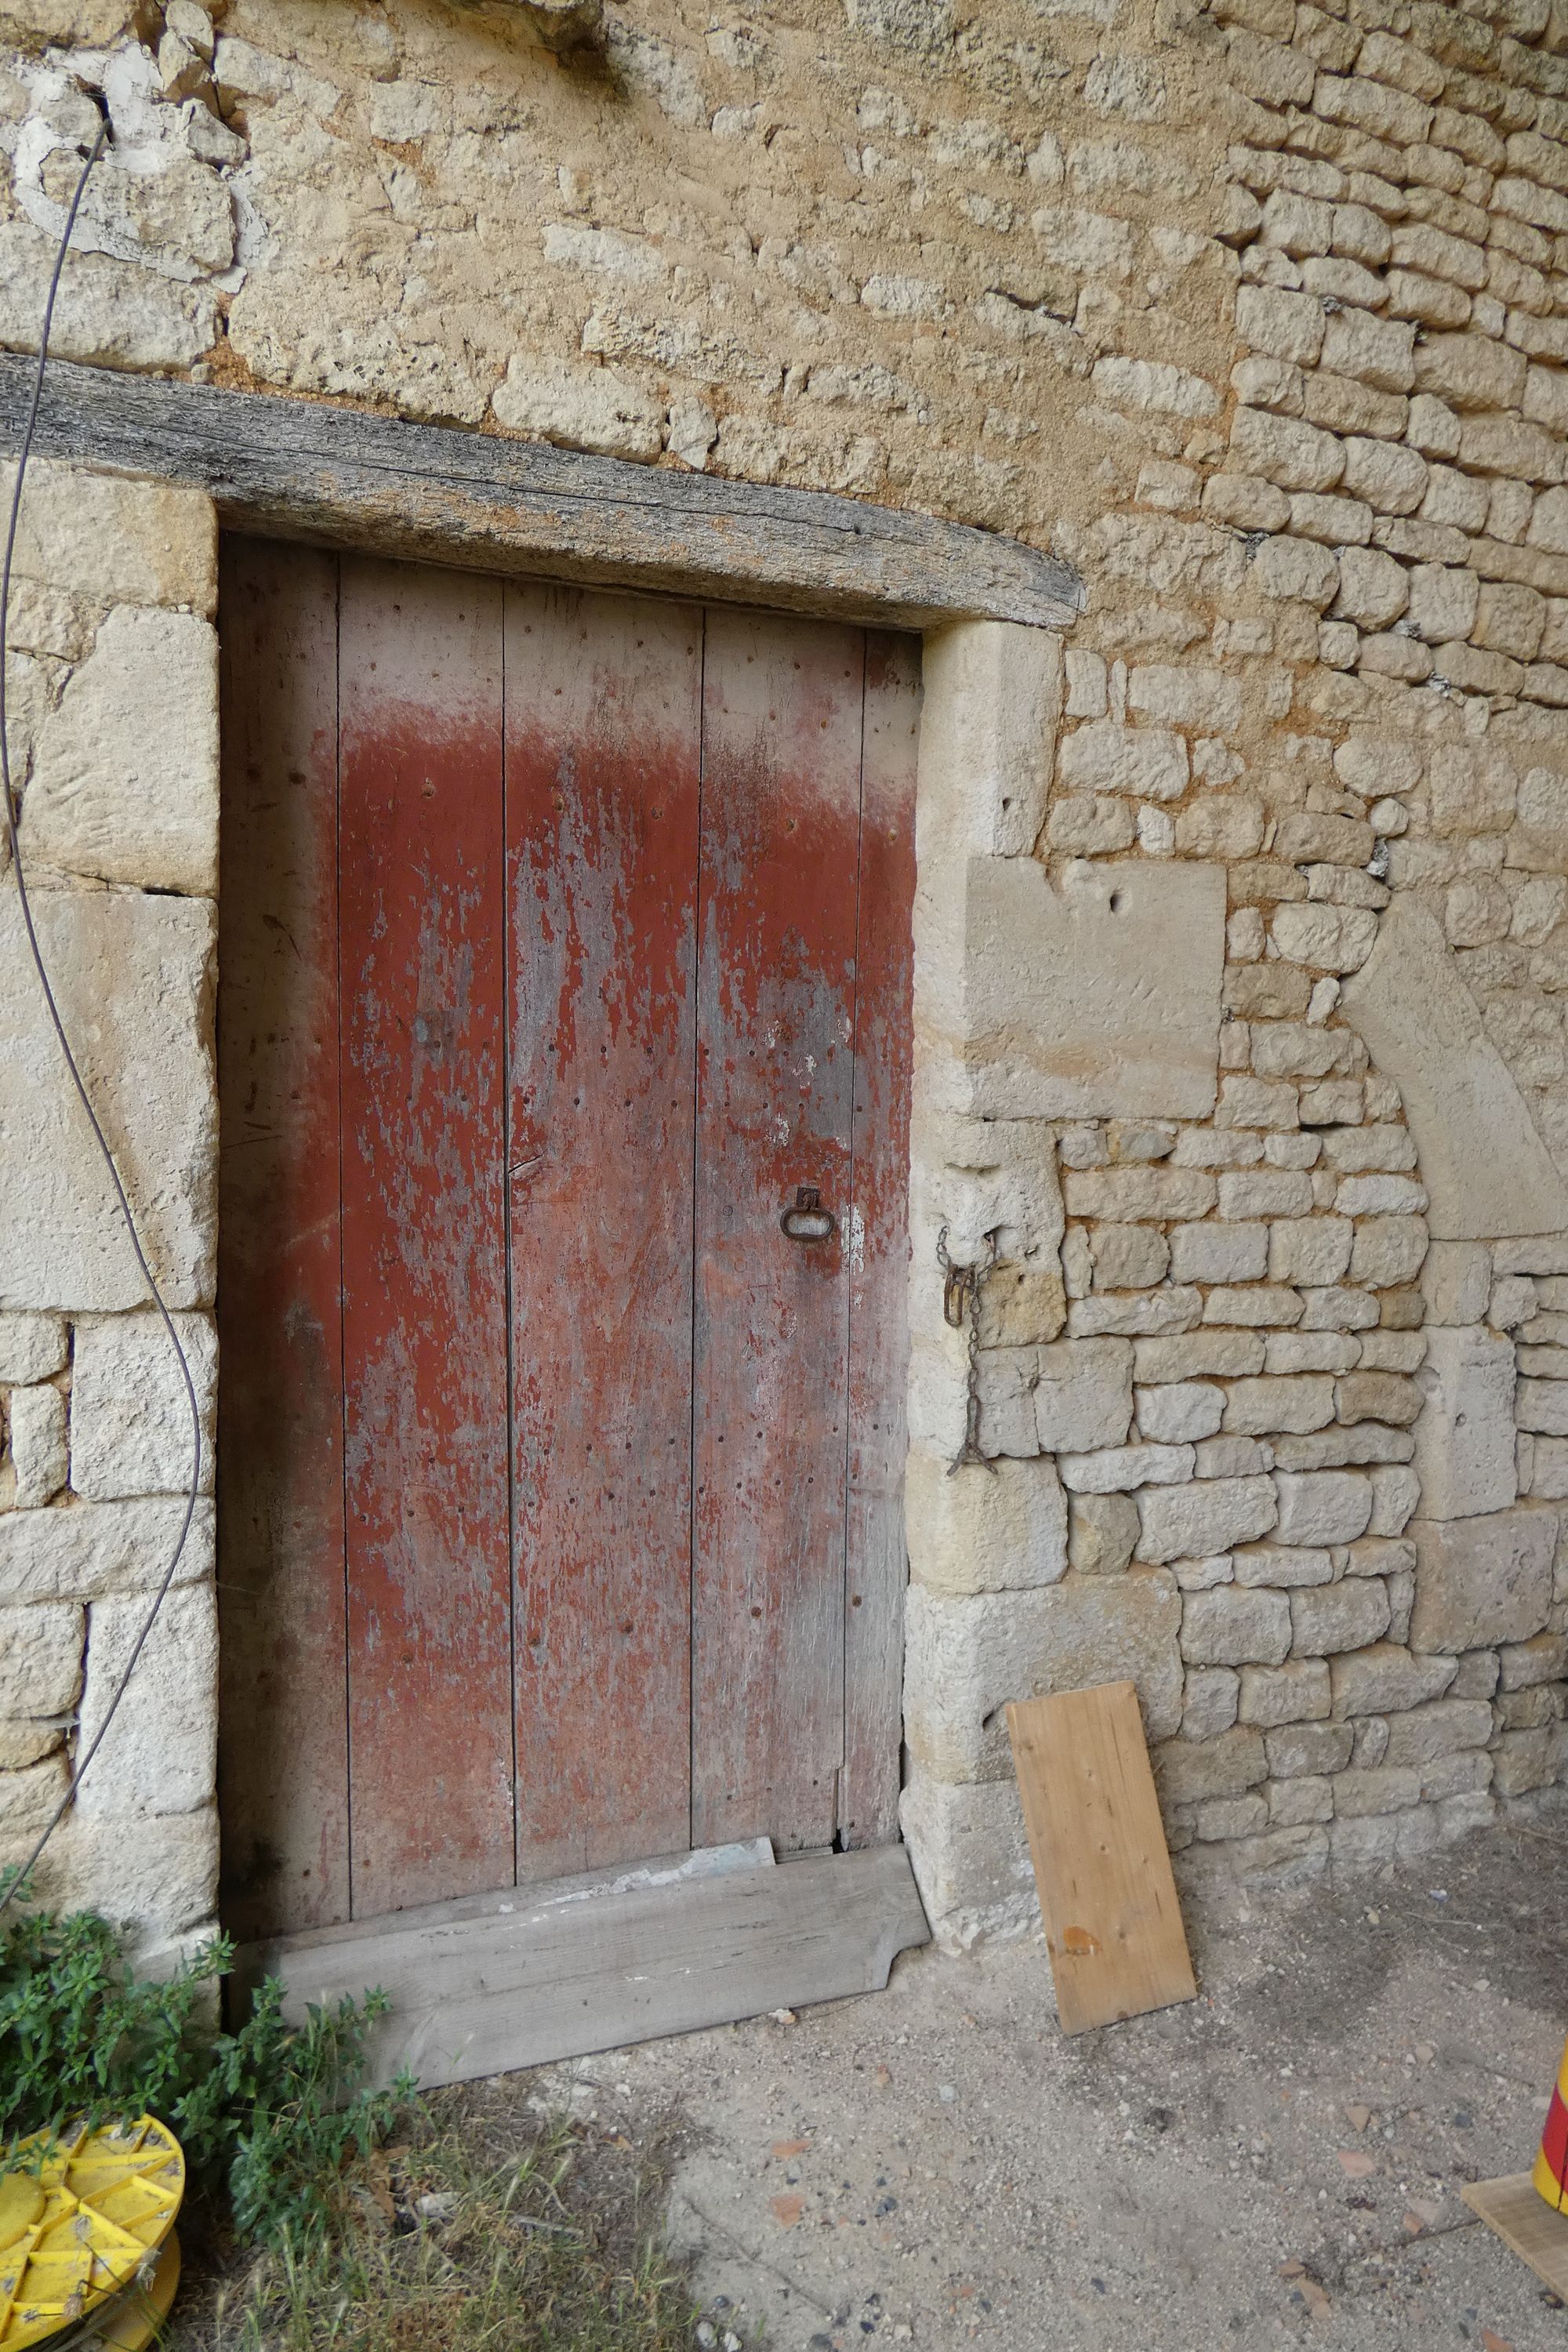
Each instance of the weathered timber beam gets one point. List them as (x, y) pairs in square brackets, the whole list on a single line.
[(305, 469)]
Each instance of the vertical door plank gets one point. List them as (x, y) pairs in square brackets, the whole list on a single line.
[(878, 1248), (781, 821), (603, 733), (425, 1314), (283, 1764), (1108, 1895)]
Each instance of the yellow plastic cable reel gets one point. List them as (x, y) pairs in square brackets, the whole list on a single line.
[(83, 2215)]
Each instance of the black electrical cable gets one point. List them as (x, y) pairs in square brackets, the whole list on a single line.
[(18, 1879)]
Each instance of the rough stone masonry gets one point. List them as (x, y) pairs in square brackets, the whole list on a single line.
[(1242, 930)]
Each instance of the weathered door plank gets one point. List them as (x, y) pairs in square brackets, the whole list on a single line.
[(425, 1319), (602, 751), (556, 1980), (879, 1265), (781, 821), (283, 1762)]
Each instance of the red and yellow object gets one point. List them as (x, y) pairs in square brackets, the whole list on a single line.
[(1550, 2173), (81, 2219)]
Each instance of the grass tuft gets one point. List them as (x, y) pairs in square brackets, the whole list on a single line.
[(438, 2246)]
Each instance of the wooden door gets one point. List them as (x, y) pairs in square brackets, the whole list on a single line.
[(565, 940)]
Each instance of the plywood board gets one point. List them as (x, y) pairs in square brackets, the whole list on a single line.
[(573, 1970), (1113, 1927), (1524, 2221)]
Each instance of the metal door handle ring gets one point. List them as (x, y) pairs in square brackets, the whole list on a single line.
[(806, 1220)]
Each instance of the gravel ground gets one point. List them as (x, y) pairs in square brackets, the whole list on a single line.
[(1278, 2162)]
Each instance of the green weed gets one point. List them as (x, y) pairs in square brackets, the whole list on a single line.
[(267, 2116)]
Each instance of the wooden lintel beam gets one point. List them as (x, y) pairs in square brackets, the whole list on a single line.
[(308, 469)]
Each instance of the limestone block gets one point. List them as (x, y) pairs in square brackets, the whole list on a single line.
[(1542, 1406), (40, 1661), (160, 1753), (1128, 1258), (101, 1549), (579, 406), (114, 540), (1282, 450), (130, 1422), (1226, 1626), (39, 1450), (1524, 1665), (1360, 1196), (1470, 372), (158, 1880), (998, 1528), (1280, 1858), (1333, 1617), (1192, 1522), (993, 699), (1377, 1396), (1283, 1566), (1486, 1170), (1293, 1802), (1021, 1303), (1443, 602), (1381, 1790), (1197, 1355), (110, 313), (1132, 1314), (1248, 1193), (134, 977), (1150, 763), (1388, 1251), (1440, 1727), (1523, 1760), (1326, 938), (1004, 1378), (1476, 1676), (970, 1857), (1296, 1692), (1458, 1776), (1322, 1506), (1457, 1281), (27, 1803), (1309, 1748), (125, 779), (1482, 1580), (1539, 841), (1473, 788), (1310, 1249), (1179, 1413), (1102, 998), (1465, 1438), (1214, 1253), (991, 1183), (1121, 1469), (1335, 1449), (1188, 1771), (1150, 1190), (965, 1658), (31, 1348), (1384, 1679), (1298, 1402), (1103, 1531), (1209, 1702)]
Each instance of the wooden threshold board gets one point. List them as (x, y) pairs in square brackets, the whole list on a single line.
[(591, 1964), (1524, 2221), (1108, 1896)]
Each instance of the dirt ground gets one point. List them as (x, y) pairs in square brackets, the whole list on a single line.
[(1279, 2162)]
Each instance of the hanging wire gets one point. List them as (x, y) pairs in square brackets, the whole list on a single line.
[(18, 1879)]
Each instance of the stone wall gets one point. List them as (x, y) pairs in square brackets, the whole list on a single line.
[(1243, 1085), (112, 690)]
